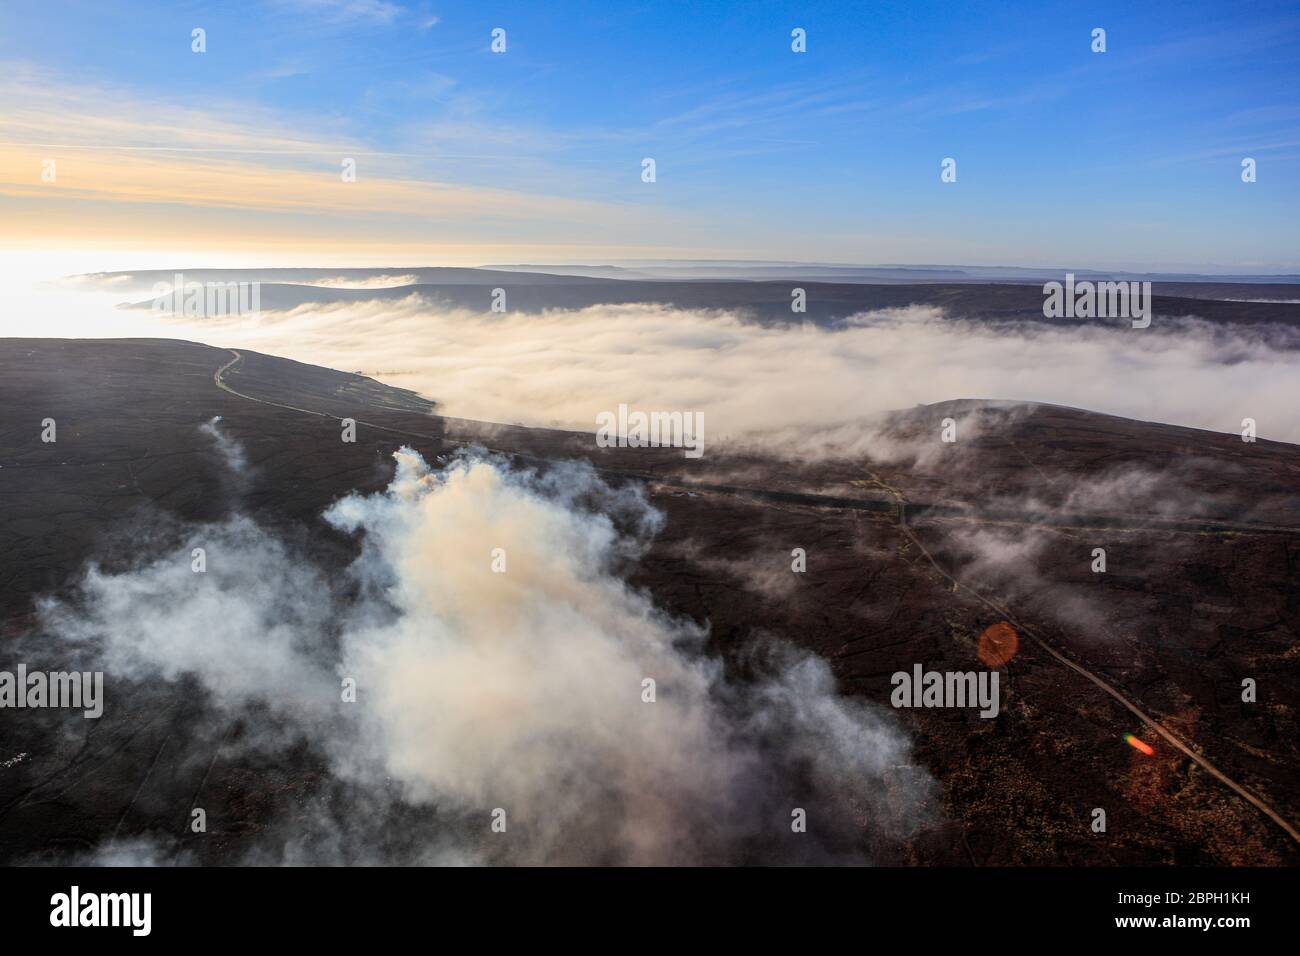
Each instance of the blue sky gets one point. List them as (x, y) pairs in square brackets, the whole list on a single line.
[(1064, 156)]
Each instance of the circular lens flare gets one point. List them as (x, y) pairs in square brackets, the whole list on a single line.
[(998, 644)]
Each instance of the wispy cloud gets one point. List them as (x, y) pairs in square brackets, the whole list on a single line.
[(375, 11), (112, 148)]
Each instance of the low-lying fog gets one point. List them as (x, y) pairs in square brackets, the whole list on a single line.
[(562, 367)]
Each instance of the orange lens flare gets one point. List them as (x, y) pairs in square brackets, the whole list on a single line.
[(1141, 745), (998, 644)]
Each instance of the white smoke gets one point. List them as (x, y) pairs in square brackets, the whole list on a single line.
[(232, 452), (520, 690)]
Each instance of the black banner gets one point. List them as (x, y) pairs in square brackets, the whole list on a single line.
[(334, 906)]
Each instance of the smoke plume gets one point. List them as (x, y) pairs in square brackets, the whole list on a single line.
[(501, 663)]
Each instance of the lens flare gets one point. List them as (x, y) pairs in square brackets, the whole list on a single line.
[(998, 644), (1140, 745)]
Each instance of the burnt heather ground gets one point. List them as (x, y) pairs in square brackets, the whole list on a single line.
[(906, 565)]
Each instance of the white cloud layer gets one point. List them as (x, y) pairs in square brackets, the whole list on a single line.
[(799, 382)]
